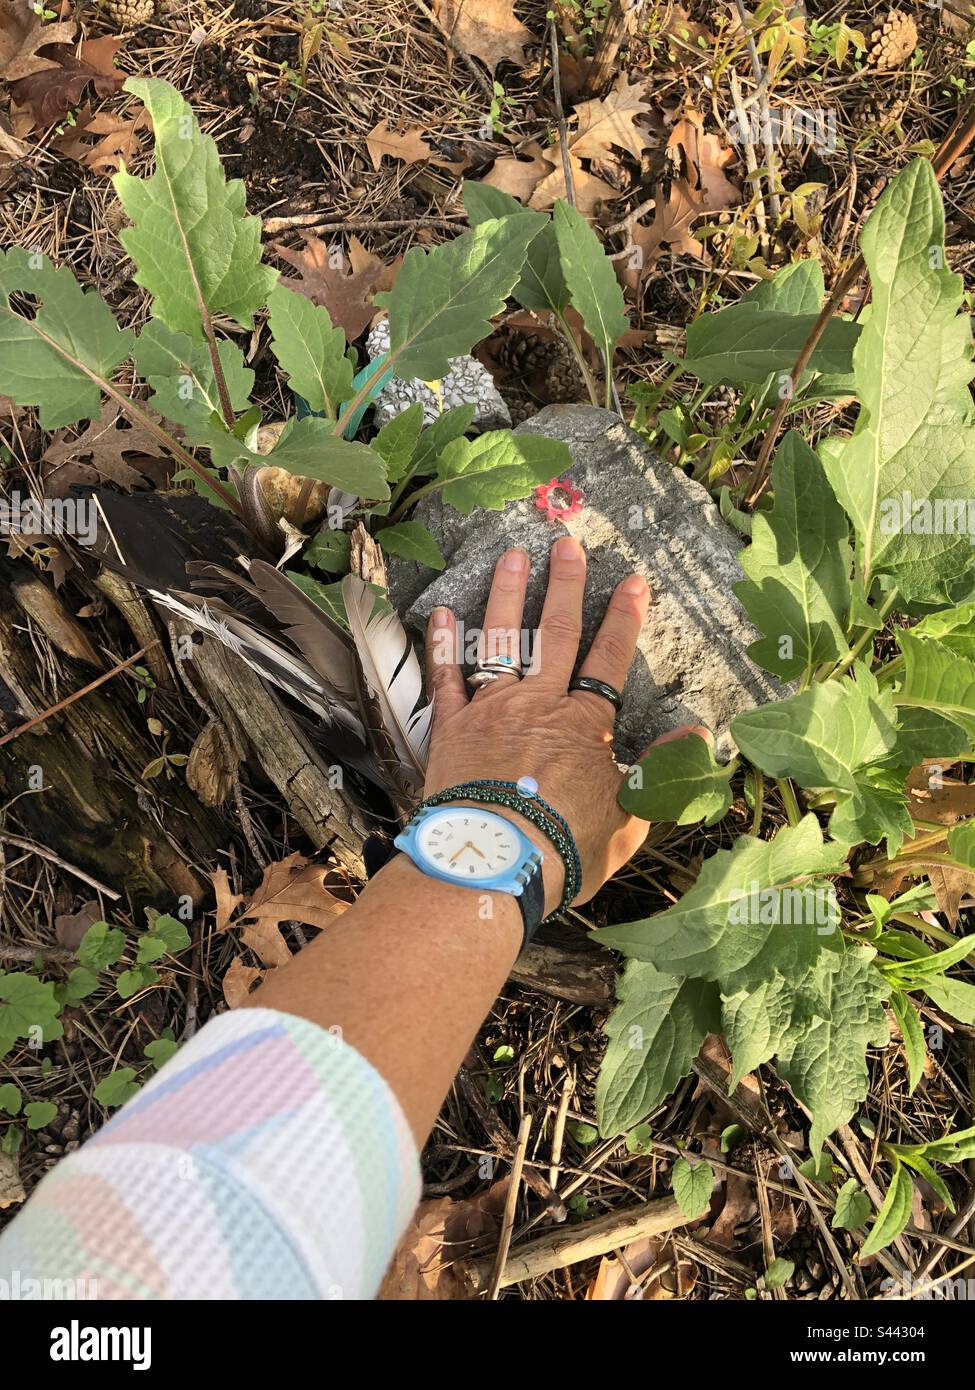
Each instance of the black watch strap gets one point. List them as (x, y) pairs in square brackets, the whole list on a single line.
[(531, 902)]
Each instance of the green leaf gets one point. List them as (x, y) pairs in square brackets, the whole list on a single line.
[(951, 1148), (731, 1137), (542, 286), (309, 449), (953, 629), (329, 550), (779, 1273), (582, 1133), (161, 1050), (101, 946), (26, 1004), (593, 287), (10, 1098), (131, 981), (327, 596), (818, 1169), (853, 1207), (824, 1058), (444, 299), (923, 1168), (961, 843), (310, 349), (49, 360), (693, 1185), (640, 1140), (893, 1215), (167, 937), (39, 1113), (451, 425), (184, 384), (954, 997), (655, 1032), (678, 781), (747, 342), (80, 983), (116, 1088), (397, 441), (753, 908), (797, 590), (195, 249), (937, 962), (495, 467), (912, 442), (937, 681), (413, 541), (912, 1035)]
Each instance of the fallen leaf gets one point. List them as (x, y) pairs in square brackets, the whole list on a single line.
[(22, 33), (53, 92), (613, 1283), (706, 160), (589, 191), (950, 887), (611, 120), (671, 227), (107, 451), (442, 1232), (520, 177), (739, 1208), (327, 277), (486, 29), (239, 982), (408, 146), (121, 139), (227, 901), (211, 767), (11, 1187), (939, 798), (679, 25), (293, 890), (70, 927)]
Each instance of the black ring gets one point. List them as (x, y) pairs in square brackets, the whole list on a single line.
[(595, 687)]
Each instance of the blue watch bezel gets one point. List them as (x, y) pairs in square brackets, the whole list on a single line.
[(513, 880)]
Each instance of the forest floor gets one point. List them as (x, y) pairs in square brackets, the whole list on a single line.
[(353, 127)]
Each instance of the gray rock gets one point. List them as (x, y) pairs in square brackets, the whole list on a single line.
[(468, 382), (640, 514)]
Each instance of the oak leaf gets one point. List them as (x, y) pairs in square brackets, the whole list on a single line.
[(227, 901), (425, 1267), (121, 139), (611, 120), (408, 145), (293, 890), (22, 33), (344, 285), (486, 29), (239, 981), (109, 450), (55, 90), (588, 191), (671, 227), (706, 160), (520, 177)]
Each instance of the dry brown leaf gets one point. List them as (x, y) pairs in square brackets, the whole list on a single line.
[(671, 227), (611, 120), (239, 982), (442, 1232), (121, 139), (589, 191), (706, 160), (22, 33), (293, 890), (739, 1207), (107, 451), (520, 177), (950, 886), (408, 145), (612, 1283), (678, 25), (70, 927), (329, 278), (211, 767), (486, 29), (11, 1188), (939, 798), (52, 92), (227, 900)]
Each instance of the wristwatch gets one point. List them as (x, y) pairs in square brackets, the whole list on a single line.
[(477, 849)]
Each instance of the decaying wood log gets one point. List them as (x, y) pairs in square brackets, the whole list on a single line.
[(567, 965)]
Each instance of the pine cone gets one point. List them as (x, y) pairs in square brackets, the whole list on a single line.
[(874, 110), (893, 42), (563, 379), (520, 353), (129, 14)]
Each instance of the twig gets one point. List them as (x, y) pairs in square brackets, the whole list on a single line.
[(510, 1206), (273, 225), (43, 853), (10, 950), (926, 1268), (558, 1132), (761, 92), (570, 191), (78, 694), (750, 161)]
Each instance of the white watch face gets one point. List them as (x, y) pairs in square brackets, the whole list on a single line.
[(468, 843)]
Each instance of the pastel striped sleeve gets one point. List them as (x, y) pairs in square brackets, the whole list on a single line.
[(266, 1160)]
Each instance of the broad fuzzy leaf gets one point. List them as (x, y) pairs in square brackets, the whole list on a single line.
[(679, 781), (797, 590), (451, 425), (396, 443), (59, 358), (443, 299), (953, 629), (753, 909), (593, 287), (310, 350), (693, 1184), (912, 1036), (310, 450), (912, 364), (180, 372), (494, 468), (655, 1032), (747, 342), (195, 249), (937, 681), (853, 1207), (542, 286), (824, 1059), (953, 997), (413, 541)]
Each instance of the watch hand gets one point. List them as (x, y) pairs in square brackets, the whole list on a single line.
[(474, 847)]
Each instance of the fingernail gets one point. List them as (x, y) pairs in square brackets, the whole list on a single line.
[(442, 617), (633, 585), (515, 560), (567, 548)]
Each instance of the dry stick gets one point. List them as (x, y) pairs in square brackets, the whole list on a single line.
[(619, 22), (558, 1132), (583, 1242), (761, 91), (570, 191), (43, 852), (510, 1206), (952, 146), (750, 161), (273, 225), (78, 694)]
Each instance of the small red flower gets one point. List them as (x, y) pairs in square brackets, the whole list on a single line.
[(558, 499)]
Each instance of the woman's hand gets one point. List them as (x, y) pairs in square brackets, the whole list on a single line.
[(534, 727)]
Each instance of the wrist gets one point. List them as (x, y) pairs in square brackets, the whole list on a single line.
[(453, 905)]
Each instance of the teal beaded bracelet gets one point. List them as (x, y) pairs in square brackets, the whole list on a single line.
[(493, 791)]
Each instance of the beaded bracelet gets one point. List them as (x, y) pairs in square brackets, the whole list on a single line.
[(493, 791)]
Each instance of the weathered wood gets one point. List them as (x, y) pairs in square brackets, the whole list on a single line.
[(567, 965)]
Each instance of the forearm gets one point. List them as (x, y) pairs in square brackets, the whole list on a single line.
[(408, 974)]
